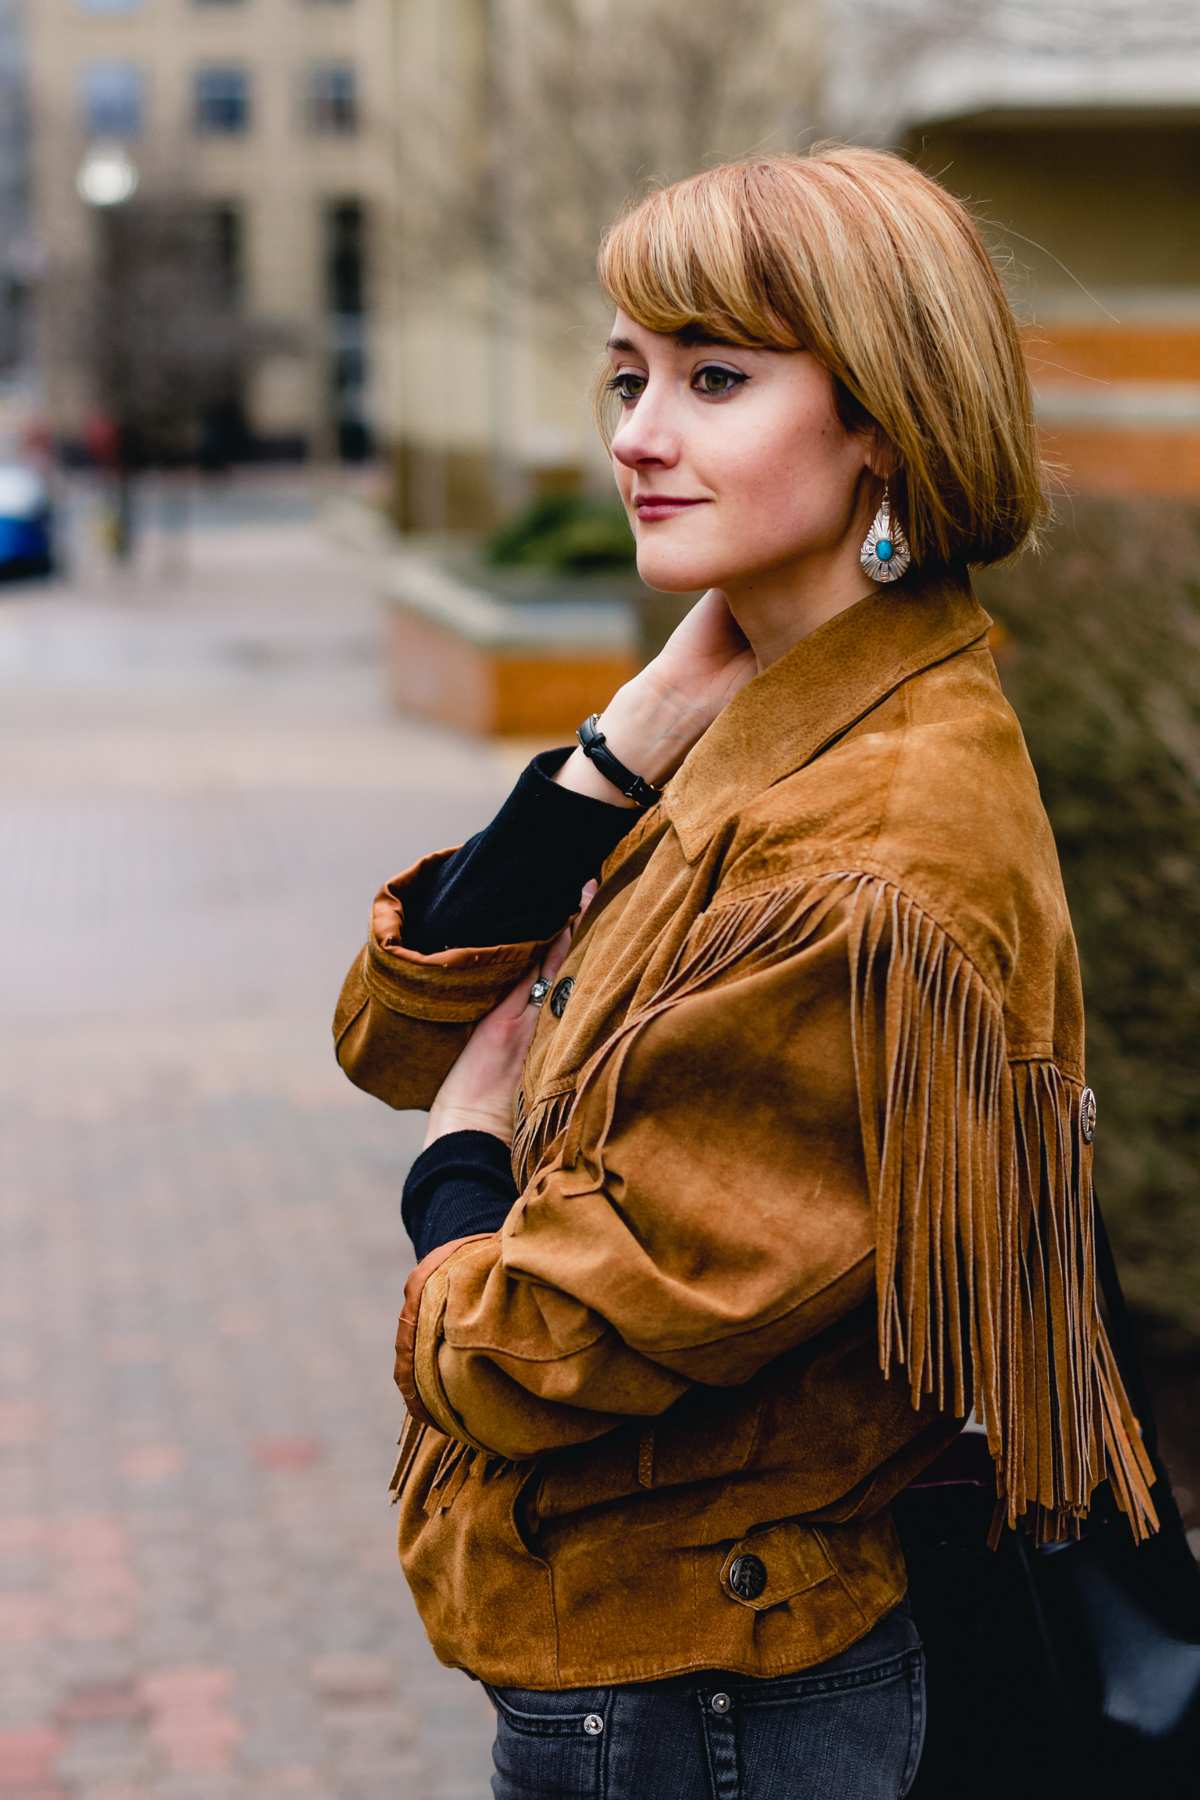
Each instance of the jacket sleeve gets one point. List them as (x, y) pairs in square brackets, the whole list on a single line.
[(403, 1018), (706, 1210)]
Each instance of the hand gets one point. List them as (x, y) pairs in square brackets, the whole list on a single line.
[(479, 1092), (705, 661), (653, 721)]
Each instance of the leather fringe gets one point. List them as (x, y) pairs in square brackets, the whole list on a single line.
[(536, 1132), (410, 1440), (456, 1463), (981, 1187)]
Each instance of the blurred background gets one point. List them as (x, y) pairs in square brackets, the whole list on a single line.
[(306, 541)]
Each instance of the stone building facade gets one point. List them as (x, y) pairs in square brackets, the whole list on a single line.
[(277, 114)]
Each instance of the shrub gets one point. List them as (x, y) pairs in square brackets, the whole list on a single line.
[(572, 533), (1099, 652)]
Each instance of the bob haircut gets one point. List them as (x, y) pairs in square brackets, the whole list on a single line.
[(856, 256)]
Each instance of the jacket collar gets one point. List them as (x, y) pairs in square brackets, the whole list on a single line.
[(823, 686)]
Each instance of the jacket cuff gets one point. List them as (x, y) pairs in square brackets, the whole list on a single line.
[(452, 987), (406, 1330)]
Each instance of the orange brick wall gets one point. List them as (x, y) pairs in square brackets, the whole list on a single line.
[(441, 676), (1113, 352), (1120, 459), (538, 696), (1126, 461)]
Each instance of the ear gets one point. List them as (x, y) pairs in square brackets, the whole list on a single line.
[(882, 456)]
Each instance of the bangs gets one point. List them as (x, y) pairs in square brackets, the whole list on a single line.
[(686, 262)]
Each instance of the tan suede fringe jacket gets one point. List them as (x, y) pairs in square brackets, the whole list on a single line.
[(803, 1182)]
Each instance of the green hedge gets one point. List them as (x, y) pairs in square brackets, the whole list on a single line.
[(568, 533), (1099, 652)]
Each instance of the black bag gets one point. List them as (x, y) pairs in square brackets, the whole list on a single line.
[(1070, 1672)]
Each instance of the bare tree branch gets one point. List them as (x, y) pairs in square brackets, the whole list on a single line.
[(582, 105)]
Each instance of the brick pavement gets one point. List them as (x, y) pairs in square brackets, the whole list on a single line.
[(201, 1254)]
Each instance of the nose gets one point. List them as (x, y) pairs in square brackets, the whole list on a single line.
[(648, 435)]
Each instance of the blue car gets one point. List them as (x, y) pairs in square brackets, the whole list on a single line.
[(26, 522)]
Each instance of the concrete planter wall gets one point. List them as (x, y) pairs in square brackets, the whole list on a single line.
[(507, 652)]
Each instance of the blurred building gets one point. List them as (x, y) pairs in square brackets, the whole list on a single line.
[(1076, 129), (405, 195), (19, 260), (522, 129), (275, 117)]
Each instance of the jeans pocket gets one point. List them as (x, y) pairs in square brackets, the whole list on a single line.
[(549, 1746), (854, 1734)]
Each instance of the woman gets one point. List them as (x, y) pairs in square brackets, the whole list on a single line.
[(802, 1143)]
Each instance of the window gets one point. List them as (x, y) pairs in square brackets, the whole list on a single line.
[(222, 100), (111, 95), (345, 254), (345, 286), (331, 98), (227, 246)]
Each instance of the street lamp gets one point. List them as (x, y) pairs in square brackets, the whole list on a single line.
[(106, 176)]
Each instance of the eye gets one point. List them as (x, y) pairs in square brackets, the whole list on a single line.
[(713, 379), (627, 385)]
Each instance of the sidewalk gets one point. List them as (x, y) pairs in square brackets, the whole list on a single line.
[(202, 1258)]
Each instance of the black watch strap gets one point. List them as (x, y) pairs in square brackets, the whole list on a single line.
[(594, 745)]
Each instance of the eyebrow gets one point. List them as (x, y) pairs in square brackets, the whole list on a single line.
[(686, 339)]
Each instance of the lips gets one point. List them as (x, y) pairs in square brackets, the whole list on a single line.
[(664, 506)]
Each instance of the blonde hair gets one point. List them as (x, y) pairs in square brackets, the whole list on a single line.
[(857, 257)]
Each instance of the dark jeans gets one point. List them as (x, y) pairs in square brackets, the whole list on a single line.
[(849, 1729)]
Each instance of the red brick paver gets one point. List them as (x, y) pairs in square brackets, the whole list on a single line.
[(201, 1256)]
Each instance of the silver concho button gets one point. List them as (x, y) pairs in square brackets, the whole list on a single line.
[(1087, 1115), (561, 994)]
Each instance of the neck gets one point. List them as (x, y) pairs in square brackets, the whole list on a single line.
[(775, 608)]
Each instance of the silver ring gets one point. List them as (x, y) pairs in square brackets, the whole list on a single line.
[(538, 991)]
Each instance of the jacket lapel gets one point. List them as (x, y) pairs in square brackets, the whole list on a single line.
[(811, 696)]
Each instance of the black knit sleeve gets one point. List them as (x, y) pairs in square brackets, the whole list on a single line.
[(520, 878), (461, 1185)]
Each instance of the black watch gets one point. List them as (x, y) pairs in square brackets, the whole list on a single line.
[(594, 745)]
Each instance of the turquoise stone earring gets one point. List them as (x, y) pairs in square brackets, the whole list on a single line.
[(885, 555)]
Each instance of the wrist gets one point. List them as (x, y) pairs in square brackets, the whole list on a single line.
[(444, 1120), (651, 727), (648, 727)]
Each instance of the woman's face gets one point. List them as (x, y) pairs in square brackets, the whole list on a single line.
[(732, 463)]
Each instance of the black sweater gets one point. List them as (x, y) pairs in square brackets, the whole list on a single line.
[(518, 879)]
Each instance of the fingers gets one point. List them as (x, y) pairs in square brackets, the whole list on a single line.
[(477, 1094), (553, 960), (590, 890), (512, 1005), (710, 619)]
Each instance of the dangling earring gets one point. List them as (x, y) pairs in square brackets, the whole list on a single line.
[(885, 555)]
